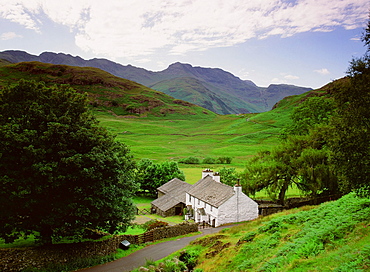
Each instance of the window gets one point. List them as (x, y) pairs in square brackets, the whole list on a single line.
[(189, 197), (211, 207), (198, 201)]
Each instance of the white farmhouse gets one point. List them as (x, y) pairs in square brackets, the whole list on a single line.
[(215, 203)]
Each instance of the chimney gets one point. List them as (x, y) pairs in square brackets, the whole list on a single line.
[(207, 172), (238, 187), (216, 176)]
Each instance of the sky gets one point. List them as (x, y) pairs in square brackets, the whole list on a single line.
[(302, 42)]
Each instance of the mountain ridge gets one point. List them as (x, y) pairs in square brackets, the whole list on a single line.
[(231, 94), (105, 92)]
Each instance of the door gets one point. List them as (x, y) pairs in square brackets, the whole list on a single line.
[(178, 210)]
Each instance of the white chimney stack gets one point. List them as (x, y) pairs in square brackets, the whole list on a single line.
[(238, 187), (207, 172), (216, 176)]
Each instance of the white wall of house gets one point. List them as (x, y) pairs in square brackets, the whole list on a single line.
[(238, 208), (211, 211)]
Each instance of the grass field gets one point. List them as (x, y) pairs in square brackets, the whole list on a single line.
[(162, 139)]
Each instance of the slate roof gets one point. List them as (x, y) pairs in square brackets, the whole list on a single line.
[(175, 193), (212, 192)]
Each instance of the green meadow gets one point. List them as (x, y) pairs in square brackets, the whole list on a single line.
[(208, 135), (182, 136)]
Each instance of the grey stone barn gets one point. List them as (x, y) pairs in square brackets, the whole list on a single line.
[(171, 198)]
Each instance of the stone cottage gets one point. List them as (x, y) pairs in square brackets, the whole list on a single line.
[(171, 198), (215, 203)]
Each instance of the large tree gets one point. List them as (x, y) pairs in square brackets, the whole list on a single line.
[(351, 141), (152, 175), (301, 161), (60, 172)]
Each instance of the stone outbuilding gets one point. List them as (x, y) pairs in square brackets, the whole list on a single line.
[(171, 198)]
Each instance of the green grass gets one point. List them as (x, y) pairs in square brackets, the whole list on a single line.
[(172, 220), (133, 231), (19, 243), (162, 139)]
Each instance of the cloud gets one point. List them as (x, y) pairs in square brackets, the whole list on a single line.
[(284, 79), (291, 77), (138, 28), (355, 39), (322, 71), (9, 35)]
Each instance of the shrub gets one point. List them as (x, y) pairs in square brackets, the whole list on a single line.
[(209, 160), (152, 224), (224, 160), (190, 160), (248, 237), (189, 258)]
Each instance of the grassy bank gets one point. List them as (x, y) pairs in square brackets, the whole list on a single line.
[(331, 237)]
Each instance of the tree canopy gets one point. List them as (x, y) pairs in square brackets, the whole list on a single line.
[(351, 139), (302, 159), (152, 175), (60, 171)]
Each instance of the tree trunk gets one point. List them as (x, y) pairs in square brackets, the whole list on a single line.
[(282, 192)]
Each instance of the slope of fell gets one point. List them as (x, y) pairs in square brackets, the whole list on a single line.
[(197, 92), (105, 91), (331, 237)]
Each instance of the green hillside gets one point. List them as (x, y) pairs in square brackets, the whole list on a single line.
[(196, 92), (331, 237), (105, 91)]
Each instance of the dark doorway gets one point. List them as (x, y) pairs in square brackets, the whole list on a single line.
[(178, 210)]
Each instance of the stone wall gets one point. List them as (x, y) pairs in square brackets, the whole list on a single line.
[(18, 259)]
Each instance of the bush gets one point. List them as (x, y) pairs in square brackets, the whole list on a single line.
[(189, 258), (190, 160), (224, 160), (209, 160), (248, 237), (152, 224)]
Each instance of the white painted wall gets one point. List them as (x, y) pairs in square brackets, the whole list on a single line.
[(237, 209), (212, 212)]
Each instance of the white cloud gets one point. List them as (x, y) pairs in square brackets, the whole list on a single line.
[(277, 80), (137, 28), (322, 71), (291, 77), (355, 39), (284, 79), (9, 35)]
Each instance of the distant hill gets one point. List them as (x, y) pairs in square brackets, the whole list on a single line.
[(106, 92), (222, 92)]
